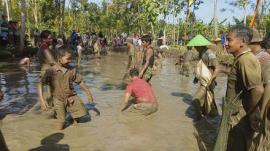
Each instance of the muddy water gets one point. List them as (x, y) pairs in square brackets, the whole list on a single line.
[(171, 128)]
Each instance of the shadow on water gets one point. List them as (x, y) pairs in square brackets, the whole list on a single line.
[(87, 72), (50, 143), (206, 127), (110, 86)]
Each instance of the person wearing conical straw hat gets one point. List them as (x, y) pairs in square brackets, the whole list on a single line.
[(205, 72), (264, 59)]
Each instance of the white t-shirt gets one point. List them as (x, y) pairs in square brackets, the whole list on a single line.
[(79, 49)]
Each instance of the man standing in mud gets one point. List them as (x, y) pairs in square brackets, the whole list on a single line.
[(45, 54), (264, 59), (148, 59), (244, 91), (132, 57), (185, 62), (204, 98)]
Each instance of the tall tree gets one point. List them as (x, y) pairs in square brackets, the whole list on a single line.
[(23, 18), (215, 18)]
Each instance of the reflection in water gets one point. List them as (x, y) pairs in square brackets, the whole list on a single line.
[(20, 86)]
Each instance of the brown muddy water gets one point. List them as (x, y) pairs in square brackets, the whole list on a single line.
[(170, 129)]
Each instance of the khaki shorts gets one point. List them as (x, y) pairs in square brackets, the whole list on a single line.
[(148, 74), (76, 108), (145, 108)]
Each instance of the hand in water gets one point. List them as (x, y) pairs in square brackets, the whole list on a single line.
[(44, 108), (92, 106), (90, 99)]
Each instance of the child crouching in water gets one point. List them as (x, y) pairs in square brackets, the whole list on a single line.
[(61, 78)]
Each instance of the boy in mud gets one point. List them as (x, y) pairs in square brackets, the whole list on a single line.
[(145, 101), (45, 56), (61, 78), (147, 70), (132, 58)]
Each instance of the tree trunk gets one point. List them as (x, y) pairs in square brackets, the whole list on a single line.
[(11, 10), (245, 15), (178, 31), (35, 13), (7, 9), (215, 19), (23, 17), (62, 10), (153, 32)]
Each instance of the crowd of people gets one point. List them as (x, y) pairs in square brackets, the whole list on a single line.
[(245, 117)]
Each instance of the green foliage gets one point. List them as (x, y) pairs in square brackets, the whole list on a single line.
[(115, 16)]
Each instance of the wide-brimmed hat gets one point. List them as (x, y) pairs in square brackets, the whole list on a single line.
[(217, 40), (199, 40), (256, 36)]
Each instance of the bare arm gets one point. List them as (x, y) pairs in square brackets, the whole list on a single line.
[(150, 53), (49, 56), (126, 100), (87, 92), (43, 103)]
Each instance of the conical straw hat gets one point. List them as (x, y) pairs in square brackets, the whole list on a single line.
[(199, 40)]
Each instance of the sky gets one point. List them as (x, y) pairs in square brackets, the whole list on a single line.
[(205, 11)]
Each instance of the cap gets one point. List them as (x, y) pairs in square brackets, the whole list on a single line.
[(217, 40)]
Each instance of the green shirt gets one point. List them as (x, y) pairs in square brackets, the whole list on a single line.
[(245, 75)]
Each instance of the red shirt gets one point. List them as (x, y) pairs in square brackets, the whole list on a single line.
[(141, 90), (43, 46)]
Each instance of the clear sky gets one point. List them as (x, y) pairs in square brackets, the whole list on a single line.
[(205, 11)]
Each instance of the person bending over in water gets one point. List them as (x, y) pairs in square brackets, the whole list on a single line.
[(144, 100)]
